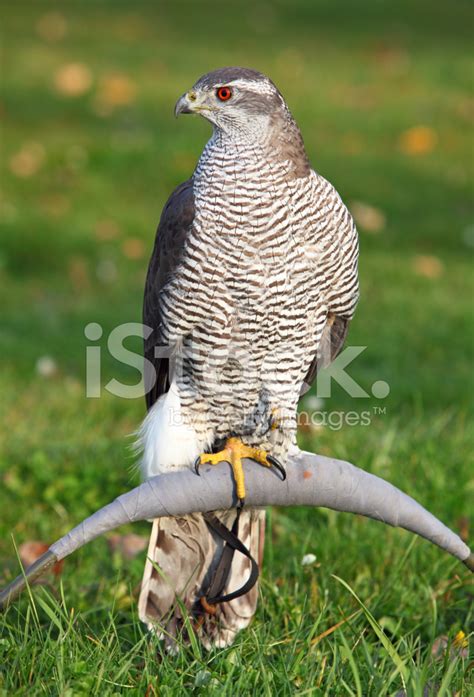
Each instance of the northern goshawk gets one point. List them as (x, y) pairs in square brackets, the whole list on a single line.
[(250, 288)]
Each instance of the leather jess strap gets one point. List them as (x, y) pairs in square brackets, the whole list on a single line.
[(222, 572)]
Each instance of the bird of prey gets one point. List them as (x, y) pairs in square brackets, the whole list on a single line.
[(250, 289)]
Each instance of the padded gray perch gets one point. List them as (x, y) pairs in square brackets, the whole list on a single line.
[(312, 480)]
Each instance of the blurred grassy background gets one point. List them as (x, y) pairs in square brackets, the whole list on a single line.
[(90, 151)]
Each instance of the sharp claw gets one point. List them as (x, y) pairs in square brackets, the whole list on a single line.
[(278, 466), (197, 462), (240, 503)]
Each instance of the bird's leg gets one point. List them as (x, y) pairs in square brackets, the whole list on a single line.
[(234, 452)]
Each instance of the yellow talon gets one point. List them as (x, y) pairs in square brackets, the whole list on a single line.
[(234, 452)]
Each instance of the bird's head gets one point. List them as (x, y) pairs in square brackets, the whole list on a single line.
[(236, 101)]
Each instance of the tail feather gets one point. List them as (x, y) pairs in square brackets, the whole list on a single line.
[(182, 556)]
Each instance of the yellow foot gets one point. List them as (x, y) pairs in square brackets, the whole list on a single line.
[(234, 452)]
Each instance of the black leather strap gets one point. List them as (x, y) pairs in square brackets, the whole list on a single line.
[(221, 575)]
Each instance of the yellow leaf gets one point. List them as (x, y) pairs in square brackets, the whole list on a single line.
[(133, 248), (428, 266), (73, 79), (114, 91), (78, 273), (418, 140), (27, 161), (106, 230), (368, 217)]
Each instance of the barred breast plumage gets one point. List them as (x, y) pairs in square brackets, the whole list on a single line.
[(254, 273)]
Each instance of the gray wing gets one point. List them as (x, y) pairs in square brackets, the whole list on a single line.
[(343, 286), (332, 343), (175, 222)]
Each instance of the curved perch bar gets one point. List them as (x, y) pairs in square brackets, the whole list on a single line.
[(312, 480)]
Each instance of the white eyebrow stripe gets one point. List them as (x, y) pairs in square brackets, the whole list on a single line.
[(260, 86)]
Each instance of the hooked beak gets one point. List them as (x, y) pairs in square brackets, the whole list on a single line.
[(185, 103)]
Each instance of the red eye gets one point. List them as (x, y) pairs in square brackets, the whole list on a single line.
[(224, 93)]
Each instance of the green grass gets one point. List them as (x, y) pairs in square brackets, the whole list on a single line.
[(357, 76)]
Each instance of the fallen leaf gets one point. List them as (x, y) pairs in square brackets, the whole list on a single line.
[(367, 217), (106, 230), (418, 140), (133, 248), (78, 273), (463, 527), (73, 79), (28, 160), (392, 58), (428, 266), (128, 546), (52, 26), (114, 91), (459, 646), (32, 550)]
